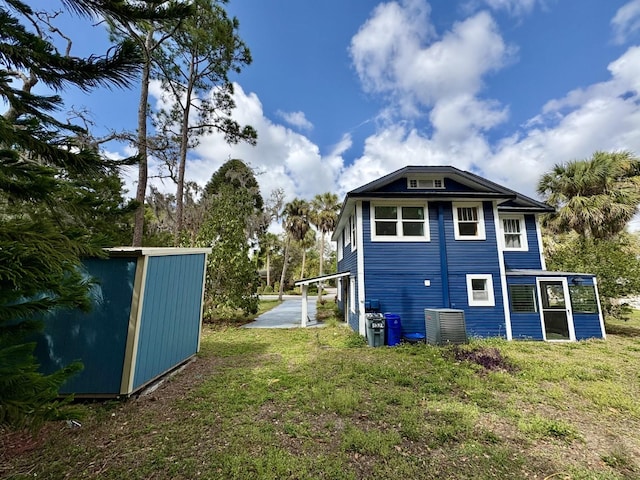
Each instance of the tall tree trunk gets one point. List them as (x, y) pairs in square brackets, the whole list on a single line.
[(284, 268), (184, 145), (142, 143), (268, 269)]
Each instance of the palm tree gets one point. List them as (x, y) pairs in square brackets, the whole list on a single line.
[(325, 208), (595, 197), (296, 225)]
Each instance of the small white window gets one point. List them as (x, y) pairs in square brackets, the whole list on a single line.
[(480, 290), (400, 222), (514, 232), (352, 221), (468, 219), (340, 247), (347, 234), (425, 183), (352, 295)]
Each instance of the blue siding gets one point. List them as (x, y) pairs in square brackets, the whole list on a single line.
[(531, 258), (170, 322), (97, 338), (587, 325), (526, 326), (349, 263), (395, 273), (480, 257)]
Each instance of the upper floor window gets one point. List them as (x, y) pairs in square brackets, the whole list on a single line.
[(347, 234), (425, 183), (400, 222), (340, 246), (468, 220), (514, 232), (352, 223)]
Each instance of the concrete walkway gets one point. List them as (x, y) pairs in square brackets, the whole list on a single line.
[(287, 314)]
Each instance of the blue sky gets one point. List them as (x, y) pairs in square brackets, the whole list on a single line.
[(342, 92)]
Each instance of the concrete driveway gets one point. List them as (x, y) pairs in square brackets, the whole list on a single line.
[(287, 314)]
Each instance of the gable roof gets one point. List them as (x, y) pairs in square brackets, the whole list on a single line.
[(479, 188)]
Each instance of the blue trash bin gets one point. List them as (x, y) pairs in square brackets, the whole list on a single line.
[(394, 328)]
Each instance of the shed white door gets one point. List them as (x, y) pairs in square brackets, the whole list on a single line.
[(555, 309)]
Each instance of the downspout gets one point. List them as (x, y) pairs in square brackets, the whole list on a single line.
[(444, 264)]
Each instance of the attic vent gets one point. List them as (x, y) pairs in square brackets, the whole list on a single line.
[(445, 325), (425, 183)]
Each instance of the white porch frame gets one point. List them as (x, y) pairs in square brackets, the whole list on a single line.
[(304, 283)]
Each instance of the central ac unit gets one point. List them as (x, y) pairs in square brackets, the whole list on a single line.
[(445, 325)]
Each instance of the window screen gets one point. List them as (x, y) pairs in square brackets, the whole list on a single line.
[(512, 232), (523, 298), (583, 298)]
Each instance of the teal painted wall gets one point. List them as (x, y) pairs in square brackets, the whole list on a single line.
[(97, 338)]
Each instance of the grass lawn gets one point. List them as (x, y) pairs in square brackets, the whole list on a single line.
[(316, 403)]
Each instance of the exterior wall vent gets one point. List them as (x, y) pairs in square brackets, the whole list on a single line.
[(425, 183), (444, 326)]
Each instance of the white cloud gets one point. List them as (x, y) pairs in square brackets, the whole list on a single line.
[(513, 7), (603, 116), (396, 52), (438, 78), (626, 22), (296, 119), (282, 158)]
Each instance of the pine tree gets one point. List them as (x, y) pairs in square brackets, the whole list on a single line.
[(46, 201)]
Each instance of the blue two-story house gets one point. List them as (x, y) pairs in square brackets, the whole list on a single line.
[(426, 237)]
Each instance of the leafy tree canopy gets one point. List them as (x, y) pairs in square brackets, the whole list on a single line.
[(50, 186), (595, 197)]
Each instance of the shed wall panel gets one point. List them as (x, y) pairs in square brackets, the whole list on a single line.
[(97, 338), (170, 320)]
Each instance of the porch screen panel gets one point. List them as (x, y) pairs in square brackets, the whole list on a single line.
[(583, 298)]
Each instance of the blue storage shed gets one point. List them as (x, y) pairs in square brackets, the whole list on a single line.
[(145, 321)]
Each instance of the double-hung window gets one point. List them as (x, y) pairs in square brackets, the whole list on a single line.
[(468, 220), (480, 290), (514, 232), (406, 222)]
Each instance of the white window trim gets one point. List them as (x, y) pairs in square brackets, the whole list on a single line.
[(524, 244), (491, 301), (418, 179), (399, 238), (354, 233), (347, 233), (340, 248), (352, 294), (481, 228)]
